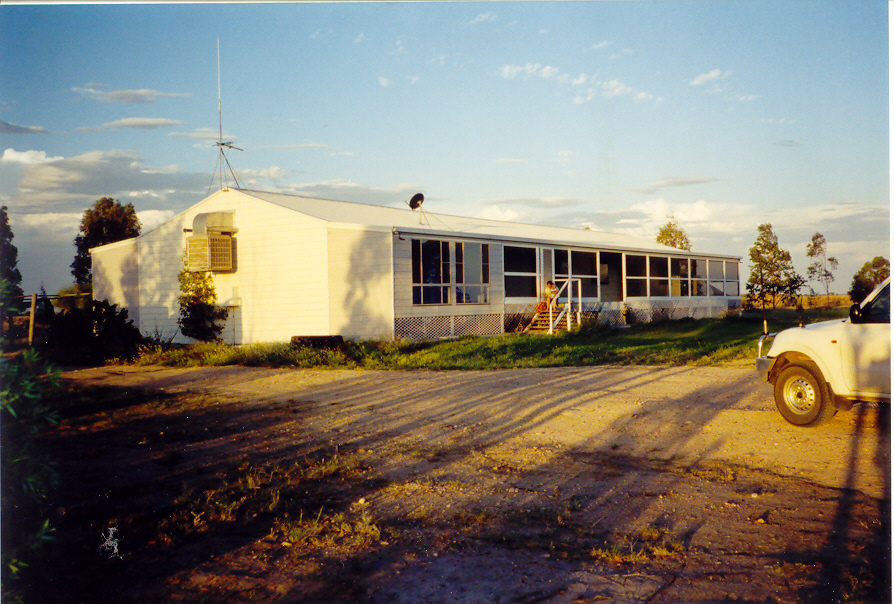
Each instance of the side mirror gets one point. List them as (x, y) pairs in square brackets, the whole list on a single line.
[(854, 314)]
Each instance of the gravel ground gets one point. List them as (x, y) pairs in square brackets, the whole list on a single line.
[(506, 486)]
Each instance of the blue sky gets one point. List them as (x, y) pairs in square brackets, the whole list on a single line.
[(604, 114)]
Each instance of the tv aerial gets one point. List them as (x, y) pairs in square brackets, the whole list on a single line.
[(221, 144)]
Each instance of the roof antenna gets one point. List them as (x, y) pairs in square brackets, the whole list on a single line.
[(221, 144)]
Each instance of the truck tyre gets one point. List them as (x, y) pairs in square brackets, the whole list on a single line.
[(802, 396)]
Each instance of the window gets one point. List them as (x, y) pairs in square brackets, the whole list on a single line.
[(879, 310), (472, 273), (637, 284), (520, 271), (431, 271)]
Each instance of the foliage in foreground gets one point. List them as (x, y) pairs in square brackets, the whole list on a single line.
[(27, 470), (682, 342)]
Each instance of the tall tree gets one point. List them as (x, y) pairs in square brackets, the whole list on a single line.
[(11, 294), (870, 274), (106, 222), (821, 267), (772, 273), (672, 234)]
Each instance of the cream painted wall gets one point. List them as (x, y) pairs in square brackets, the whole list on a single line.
[(116, 277), (360, 284), (277, 290)]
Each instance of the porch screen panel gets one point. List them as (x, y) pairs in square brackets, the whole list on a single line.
[(715, 276), (637, 286), (659, 284), (520, 271), (585, 266), (679, 272), (699, 274)]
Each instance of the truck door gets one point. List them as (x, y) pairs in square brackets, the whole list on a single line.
[(866, 347)]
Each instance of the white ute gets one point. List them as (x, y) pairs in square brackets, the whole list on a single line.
[(820, 368)]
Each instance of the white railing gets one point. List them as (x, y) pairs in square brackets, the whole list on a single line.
[(564, 313)]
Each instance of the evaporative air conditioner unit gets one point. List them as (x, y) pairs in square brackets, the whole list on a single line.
[(210, 253), (210, 248)]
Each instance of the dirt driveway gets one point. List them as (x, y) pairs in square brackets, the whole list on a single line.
[(680, 413), (517, 485)]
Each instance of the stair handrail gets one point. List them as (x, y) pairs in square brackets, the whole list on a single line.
[(564, 311)]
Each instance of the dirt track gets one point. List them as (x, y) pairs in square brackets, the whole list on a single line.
[(527, 486)]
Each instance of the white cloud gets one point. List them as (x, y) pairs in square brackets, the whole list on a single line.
[(528, 70), (615, 88), (623, 53), (296, 146), (7, 128), (710, 76), (26, 157), (360, 39), (207, 134), (672, 182), (600, 45), (345, 190), (67, 184), (550, 202), (496, 212), (153, 218), (272, 173), (580, 80), (142, 123), (482, 18), (143, 95), (384, 82)]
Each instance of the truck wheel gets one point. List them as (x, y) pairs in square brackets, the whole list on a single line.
[(802, 396)]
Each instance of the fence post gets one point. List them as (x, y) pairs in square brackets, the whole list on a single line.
[(31, 319)]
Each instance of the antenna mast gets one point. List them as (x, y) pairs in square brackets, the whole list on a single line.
[(220, 144)]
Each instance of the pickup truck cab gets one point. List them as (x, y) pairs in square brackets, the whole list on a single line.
[(818, 369)]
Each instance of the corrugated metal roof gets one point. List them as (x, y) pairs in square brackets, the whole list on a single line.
[(425, 222)]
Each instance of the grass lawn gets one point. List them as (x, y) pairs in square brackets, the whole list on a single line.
[(682, 342)]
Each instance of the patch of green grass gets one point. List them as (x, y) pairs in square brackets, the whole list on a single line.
[(678, 342), (353, 529)]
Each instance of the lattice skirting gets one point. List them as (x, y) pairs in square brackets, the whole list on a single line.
[(517, 317), (424, 328)]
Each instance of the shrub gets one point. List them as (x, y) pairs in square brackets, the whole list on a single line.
[(28, 473), (104, 332), (199, 313)]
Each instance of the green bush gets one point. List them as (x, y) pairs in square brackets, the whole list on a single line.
[(28, 473), (103, 332)]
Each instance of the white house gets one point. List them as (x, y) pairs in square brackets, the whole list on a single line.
[(288, 266)]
